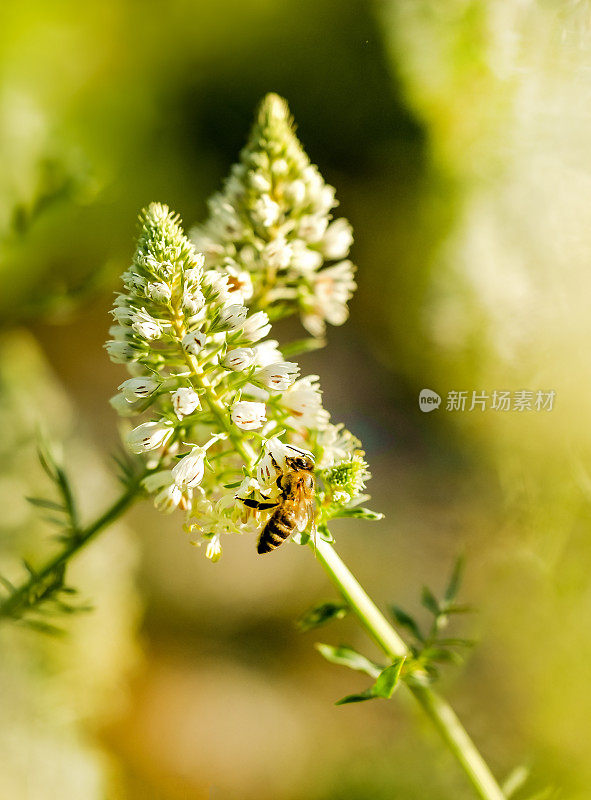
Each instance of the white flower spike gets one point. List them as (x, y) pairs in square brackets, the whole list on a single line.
[(286, 236), (192, 329)]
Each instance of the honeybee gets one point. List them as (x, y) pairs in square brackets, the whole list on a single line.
[(294, 510)]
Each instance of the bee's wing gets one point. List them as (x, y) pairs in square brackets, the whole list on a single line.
[(305, 514), (302, 516)]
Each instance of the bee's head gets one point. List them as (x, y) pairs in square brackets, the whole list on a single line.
[(300, 463), (301, 459)]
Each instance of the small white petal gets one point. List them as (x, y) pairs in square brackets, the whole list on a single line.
[(232, 317), (193, 342), (123, 407), (239, 284), (259, 182), (189, 471), (193, 300), (121, 352), (304, 401), (248, 415), (295, 192), (213, 551), (149, 436), (256, 327), (147, 330), (159, 292), (185, 401), (135, 388), (280, 167), (265, 211), (239, 359), (278, 377), (168, 498), (278, 253), (338, 239), (312, 227), (267, 352)]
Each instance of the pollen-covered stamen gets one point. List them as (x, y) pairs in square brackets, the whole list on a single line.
[(239, 284)]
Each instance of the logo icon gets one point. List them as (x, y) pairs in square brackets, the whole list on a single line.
[(428, 400)]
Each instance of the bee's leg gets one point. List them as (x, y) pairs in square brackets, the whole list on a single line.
[(279, 473), (256, 504)]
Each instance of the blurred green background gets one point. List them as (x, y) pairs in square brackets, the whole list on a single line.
[(457, 135)]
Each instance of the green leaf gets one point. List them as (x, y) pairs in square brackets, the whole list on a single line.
[(404, 619), (442, 655), (299, 346), (388, 679), (456, 642), (430, 602), (40, 502), (457, 609), (383, 687), (357, 513), (300, 538), (43, 627), (325, 534), (455, 580), (321, 614), (7, 584), (356, 698), (46, 459), (347, 657)]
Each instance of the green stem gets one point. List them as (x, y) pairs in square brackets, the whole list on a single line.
[(437, 709), (22, 595)]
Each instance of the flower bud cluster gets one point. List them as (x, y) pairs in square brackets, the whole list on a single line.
[(219, 409), (271, 228)]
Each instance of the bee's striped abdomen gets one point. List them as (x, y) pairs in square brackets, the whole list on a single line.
[(276, 531)]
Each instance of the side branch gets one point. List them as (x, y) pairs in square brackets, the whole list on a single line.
[(437, 709), (27, 594)]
